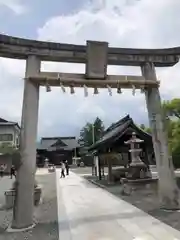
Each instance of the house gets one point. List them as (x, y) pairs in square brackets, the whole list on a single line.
[(114, 137), (57, 149), (9, 132)]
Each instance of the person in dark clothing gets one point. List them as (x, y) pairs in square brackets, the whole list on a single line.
[(67, 168), (13, 171), (1, 170)]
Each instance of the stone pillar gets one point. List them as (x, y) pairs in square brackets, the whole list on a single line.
[(97, 165), (24, 203), (109, 161), (99, 168), (168, 190)]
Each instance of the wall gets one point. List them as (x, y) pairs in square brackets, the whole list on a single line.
[(55, 157), (16, 136), (14, 130)]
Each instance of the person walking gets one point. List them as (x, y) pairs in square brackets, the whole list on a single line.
[(13, 171), (1, 170), (67, 167), (63, 170)]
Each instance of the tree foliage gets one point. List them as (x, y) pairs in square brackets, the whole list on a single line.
[(90, 131), (172, 108), (144, 128), (7, 148)]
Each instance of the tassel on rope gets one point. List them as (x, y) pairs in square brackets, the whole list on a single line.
[(85, 91), (96, 90), (109, 90)]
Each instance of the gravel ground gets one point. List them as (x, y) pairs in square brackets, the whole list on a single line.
[(145, 198), (85, 170), (45, 213)]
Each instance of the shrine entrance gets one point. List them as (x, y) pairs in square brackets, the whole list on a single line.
[(97, 56)]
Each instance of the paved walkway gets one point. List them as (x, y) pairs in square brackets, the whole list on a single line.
[(86, 212)]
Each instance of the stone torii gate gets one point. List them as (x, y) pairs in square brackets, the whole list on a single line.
[(96, 56)]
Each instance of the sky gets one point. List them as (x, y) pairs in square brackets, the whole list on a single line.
[(125, 23)]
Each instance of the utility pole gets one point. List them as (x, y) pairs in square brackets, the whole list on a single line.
[(93, 134), (94, 172)]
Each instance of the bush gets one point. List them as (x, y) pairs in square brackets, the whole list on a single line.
[(176, 160), (176, 156)]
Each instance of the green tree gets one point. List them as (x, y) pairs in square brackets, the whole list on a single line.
[(174, 141), (91, 132), (173, 130), (172, 108), (7, 148), (144, 128)]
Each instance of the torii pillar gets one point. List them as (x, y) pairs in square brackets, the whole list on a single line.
[(24, 203), (168, 189)]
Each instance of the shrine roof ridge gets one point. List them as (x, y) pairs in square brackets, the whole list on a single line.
[(21, 48), (116, 131), (70, 142)]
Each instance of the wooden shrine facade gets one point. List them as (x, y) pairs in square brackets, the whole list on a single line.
[(113, 141), (57, 149)]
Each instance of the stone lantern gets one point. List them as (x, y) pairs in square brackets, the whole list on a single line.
[(137, 168)]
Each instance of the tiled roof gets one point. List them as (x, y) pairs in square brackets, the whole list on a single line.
[(4, 122), (117, 130), (67, 143), (120, 122), (46, 143)]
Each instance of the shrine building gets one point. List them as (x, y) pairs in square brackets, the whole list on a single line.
[(57, 149), (115, 136)]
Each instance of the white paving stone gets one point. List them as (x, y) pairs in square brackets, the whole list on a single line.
[(86, 212)]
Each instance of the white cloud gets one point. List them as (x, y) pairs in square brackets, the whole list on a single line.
[(15, 5), (141, 24)]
